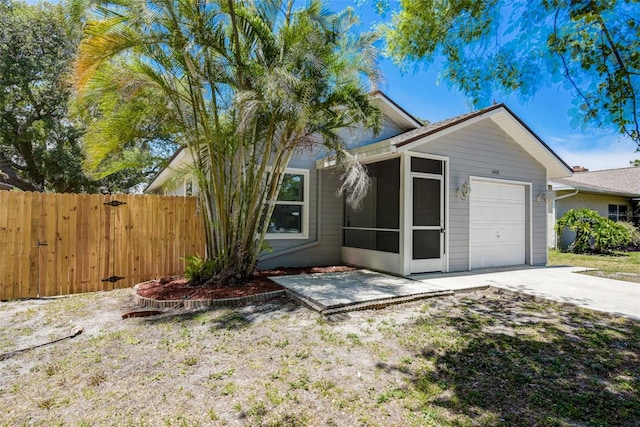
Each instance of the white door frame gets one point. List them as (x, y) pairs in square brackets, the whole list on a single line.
[(406, 246)]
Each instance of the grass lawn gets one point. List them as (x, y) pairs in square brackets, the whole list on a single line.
[(621, 265), (484, 358)]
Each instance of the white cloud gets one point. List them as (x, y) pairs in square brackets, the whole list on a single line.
[(596, 151)]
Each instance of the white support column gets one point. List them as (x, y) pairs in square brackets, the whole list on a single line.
[(405, 214)]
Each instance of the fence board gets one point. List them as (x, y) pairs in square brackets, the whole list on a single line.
[(154, 238), (4, 246), (93, 243), (48, 269), (120, 242), (164, 237), (71, 213), (82, 246), (42, 239), (88, 241), (23, 228), (135, 235), (31, 240)]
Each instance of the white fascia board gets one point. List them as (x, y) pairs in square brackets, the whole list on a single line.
[(395, 113), (364, 154), (531, 144), (182, 159)]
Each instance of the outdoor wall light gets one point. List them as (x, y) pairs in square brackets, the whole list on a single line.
[(464, 191), (544, 197)]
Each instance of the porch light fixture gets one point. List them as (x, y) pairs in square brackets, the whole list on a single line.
[(544, 197), (464, 191)]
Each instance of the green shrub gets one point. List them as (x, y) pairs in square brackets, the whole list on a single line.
[(210, 271), (594, 233), (633, 242), (198, 270)]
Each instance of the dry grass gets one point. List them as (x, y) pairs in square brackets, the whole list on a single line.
[(482, 358)]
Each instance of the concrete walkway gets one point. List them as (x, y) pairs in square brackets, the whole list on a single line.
[(331, 293), (361, 289)]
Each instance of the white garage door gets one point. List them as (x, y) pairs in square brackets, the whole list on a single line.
[(497, 224)]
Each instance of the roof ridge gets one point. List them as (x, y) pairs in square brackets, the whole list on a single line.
[(606, 170)]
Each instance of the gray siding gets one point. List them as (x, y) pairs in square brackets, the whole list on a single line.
[(482, 150), (324, 249), (359, 137)]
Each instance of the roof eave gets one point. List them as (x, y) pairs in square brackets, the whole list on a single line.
[(594, 190), (364, 154), (512, 125), (166, 173), (395, 111)]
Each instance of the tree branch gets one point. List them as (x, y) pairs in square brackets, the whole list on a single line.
[(9, 176), (634, 134), (567, 73)]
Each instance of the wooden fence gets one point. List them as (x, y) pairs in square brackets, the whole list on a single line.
[(58, 244)]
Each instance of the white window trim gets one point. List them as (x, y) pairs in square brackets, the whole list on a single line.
[(305, 209)]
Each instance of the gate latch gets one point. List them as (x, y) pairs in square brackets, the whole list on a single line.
[(115, 203), (112, 279)]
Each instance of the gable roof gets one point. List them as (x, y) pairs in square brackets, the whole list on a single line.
[(395, 112), (502, 116), (418, 134), (622, 182), (180, 159)]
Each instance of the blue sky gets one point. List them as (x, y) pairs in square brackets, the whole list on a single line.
[(546, 114), (422, 95)]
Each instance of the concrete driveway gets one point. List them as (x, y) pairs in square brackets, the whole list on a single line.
[(561, 284), (337, 292)]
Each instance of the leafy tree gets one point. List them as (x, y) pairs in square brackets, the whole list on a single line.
[(594, 233), (489, 46), (39, 148), (128, 137), (245, 85), (42, 141), (635, 163)]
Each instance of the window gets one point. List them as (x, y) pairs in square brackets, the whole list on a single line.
[(188, 187), (290, 216), (618, 212)]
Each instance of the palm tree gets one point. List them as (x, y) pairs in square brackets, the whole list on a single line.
[(249, 84)]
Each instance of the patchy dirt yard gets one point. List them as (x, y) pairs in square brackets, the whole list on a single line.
[(482, 358)]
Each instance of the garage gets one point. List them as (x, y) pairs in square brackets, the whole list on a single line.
[(497, 224)]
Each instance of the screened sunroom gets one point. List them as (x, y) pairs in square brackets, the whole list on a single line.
[(399, 227)]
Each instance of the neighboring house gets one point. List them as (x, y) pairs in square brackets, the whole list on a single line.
[(614, 193), (456, 195)]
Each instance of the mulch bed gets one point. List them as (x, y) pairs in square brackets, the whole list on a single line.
[(177, 289)]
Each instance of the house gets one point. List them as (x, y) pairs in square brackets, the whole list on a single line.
[(456, 195), (613, 193)]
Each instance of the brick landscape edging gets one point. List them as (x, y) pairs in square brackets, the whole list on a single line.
[(198, 303)]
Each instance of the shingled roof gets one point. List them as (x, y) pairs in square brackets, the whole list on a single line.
[(431, 128), (624, 181), (501, 115)]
